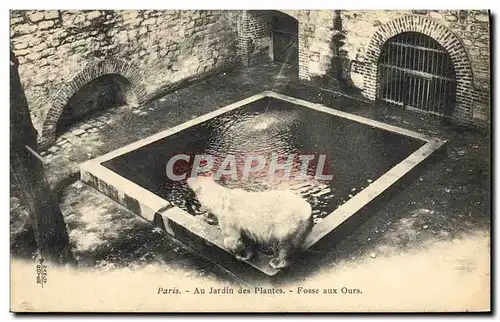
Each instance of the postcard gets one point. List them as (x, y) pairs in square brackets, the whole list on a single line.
[(250, 160)]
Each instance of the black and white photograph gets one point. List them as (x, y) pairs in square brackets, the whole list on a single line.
[(230, 160)]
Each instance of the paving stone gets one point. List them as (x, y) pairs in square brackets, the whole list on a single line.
[(71, 138), (60, 139), (85, 126), (53, 149), (81, 200), (78, 131)]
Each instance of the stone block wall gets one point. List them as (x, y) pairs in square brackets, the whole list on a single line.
[(343, 46), (61, 50), (255, 45), (464, 34), (315, 30)]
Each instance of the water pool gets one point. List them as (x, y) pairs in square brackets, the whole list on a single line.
[(362, 156)]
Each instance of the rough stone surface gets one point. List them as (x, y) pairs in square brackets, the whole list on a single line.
[(333, 45), (165, 46), (472, 31), (450, 197), (168, 47), (254, 37), (315, 29)]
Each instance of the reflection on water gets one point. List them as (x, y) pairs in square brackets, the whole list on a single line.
[(356, 154), (256, 134)]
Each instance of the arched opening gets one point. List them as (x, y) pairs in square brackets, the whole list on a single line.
[(98, 95), (416, 72), (120, 71), (285, 37)]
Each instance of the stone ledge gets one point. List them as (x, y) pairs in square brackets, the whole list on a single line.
[(177, 222)]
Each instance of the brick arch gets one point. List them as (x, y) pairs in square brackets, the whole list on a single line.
[(429, 27), (91, 71)]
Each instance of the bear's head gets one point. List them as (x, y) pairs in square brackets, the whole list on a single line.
[(199, 182)]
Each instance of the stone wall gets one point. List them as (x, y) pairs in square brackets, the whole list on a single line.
[(341, 48), (316, 32), (254, 37), (59, 51), (470, 28), (315, 35)]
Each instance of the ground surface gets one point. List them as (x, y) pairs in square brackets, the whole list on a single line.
[(448, 202)]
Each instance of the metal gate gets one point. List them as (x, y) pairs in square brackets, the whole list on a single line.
[(285, 39), (416, 72)]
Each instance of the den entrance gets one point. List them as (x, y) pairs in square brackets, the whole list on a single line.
[(416, 72), (285, 38), (95, 97)]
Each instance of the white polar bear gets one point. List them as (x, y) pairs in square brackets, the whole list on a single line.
[(279, 219)]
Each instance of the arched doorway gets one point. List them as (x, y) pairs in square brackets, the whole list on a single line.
[(106, 91), (120, 69), (416, 72), (285, 35)]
